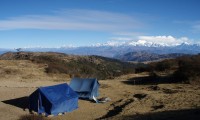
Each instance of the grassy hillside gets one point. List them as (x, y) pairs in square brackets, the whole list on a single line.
[(145, 56), (75, 66), (189, 69), (183, 69)]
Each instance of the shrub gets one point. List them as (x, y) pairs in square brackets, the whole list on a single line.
[(153, 75), (189, 69), (83, 66)]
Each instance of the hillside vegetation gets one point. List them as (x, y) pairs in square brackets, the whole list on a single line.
[(144, 56), (139, 96), (184, 69), (75, 66)]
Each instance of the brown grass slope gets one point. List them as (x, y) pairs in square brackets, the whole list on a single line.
[(184, 69), (74, 66), (129, 100)]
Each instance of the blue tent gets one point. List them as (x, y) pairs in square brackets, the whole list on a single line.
[(87, 88), (53, 100)]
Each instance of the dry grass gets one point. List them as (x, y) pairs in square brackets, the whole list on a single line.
[(127, 101), (19, 78), (33, 117), (25, 70), (78, 66)]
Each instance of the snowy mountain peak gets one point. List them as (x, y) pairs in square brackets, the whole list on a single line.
[(139, 43), (149, 41)]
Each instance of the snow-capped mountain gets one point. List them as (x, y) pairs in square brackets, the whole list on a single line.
[(113, 48), (142, 43), (110, 50)]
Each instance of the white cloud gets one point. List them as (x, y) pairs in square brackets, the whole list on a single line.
[(129, 34), (75, 19), (121, 39), (192, 26), (148, 41), (196, 26), (125, 36), (164, 40)]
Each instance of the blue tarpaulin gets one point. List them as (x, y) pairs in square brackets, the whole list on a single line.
[(53, 100), (87, 88)]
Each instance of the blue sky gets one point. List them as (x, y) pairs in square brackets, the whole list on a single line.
[(57, 23)]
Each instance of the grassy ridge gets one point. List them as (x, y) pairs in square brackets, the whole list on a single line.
[(184, 69), (86, 66), (76, 66)]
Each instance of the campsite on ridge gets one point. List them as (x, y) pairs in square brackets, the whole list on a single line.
[(99, 60), (151, 90)]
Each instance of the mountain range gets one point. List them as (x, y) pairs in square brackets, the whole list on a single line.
[(143, 56), (118, 50)]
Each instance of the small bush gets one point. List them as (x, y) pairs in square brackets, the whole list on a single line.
[(56, 68), (189, 70), (153, 75), (83, 66)]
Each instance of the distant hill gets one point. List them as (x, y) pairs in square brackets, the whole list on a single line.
[(74, 65), (4, 50), (110, 50), (143, 56)]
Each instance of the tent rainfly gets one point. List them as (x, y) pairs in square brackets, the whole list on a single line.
[(53, 100), (87, 88)]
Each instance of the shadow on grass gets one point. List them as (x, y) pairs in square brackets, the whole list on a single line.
[(148, 80), (116, 110), (86, 99), (33, 117), (21, 102), (185, 114)]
